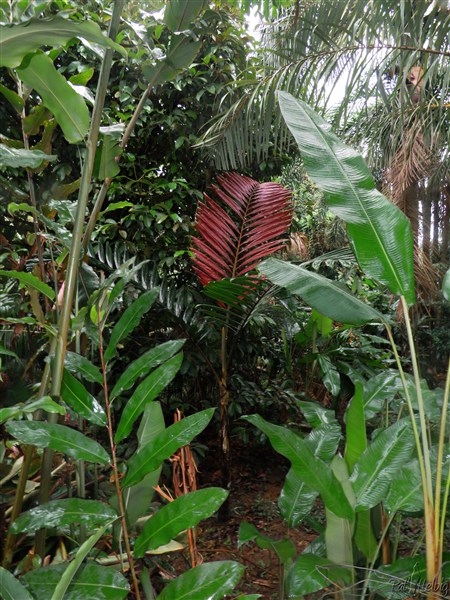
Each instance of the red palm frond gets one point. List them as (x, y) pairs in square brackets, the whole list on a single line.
[(238, 223)]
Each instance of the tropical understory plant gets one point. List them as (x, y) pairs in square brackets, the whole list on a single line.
[(371, 474)]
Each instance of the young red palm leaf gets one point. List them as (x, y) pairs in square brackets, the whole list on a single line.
[(239, 222)]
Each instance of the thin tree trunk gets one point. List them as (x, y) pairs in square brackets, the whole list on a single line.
[(426, 221), (436, 226), (444, 253), (411, 204)]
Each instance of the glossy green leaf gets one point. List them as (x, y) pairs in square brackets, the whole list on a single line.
[(313, 471), (446, 285), (379, 389), (364, 537), (211, 581), (406, 495), (68, 107), (328, 297), (164, 445), (106, 164), (91, 581), (283, 548), (380, 233), (14, 99), (18, 40), (45, 403), (312, 573), (380, 463), (179, 14), (355, 440), (11, 588), (296, 499), (130, 320), (77, 364), (30, 280), (330, 375), (180, 55), (80, 400), (184, 512), (58, 437), (142, 365), (59, 513), (147, 391)]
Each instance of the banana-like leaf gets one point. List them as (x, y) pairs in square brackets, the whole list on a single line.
[(166, 443), (69, 108), (446, 285), (78, 364), (380, 462), (59, 438), (283, 548), (105, 164), (181, 53), (11, 588), (406, 495), (59, 513), (314, 472), (379, 389), (210, 581), (356, 441), (296, 499), (30, 280), (380, 233), (81, 401), (18, 40), (18, 157), (129, 320), (239, 223), (312, 573), (173, 518), (328, 297), (90, 581), (146, 392), (179, 14)]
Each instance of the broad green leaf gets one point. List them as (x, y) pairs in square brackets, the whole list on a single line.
[(316, 415), (77, 364), (82, 78), (330, 376), (380, 463), (338, 531), (45, 403), (406, 492), (380, 233), (59, 513), (296, 499), (314, 472), (328, 297), (130, 320), (30, 280), (312, 573), (179, 14), (81, 401), (324, 440), (446, 285), (18, 40), (183, 513), (117, 206), (210, 581), (68, 107), (11, 588), (91, 581), (14, 99), (356, 441), (59, 438), (105, 159), (142, 365), (283, 548), (147, 391), (180, 55), (164, 445), (365, 539), (379, 389)]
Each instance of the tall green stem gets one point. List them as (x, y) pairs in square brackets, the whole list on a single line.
[(75, 253)]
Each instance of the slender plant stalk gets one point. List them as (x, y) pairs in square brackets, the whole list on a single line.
[(114, 466), (75, 255), (440, 516)]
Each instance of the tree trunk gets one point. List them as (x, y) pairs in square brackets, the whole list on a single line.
[(436, 223), (426, 221), (225, 444), (411, 204), (444, 253)]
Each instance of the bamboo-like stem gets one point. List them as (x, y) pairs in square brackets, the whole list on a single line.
[(75, 254), (114, 466), (440, 516)]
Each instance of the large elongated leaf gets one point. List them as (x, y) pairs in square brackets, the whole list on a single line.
[(356, 441), (59, 513), (130, 319), (11, 588), (326, 296), (312, 573), (406, 495), (142, 365), (211, 581), (296, 499), (81, 401), (18, 40), (69, 108), (380, 233), (164, 445), (78, 364), (18, 157), (30, 280), (180, 54), (283, 548), (378, 465), (313, 471), (91, 581), (184, 512), (59, 438), (180, 14), (238, 224), (147, 391)]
